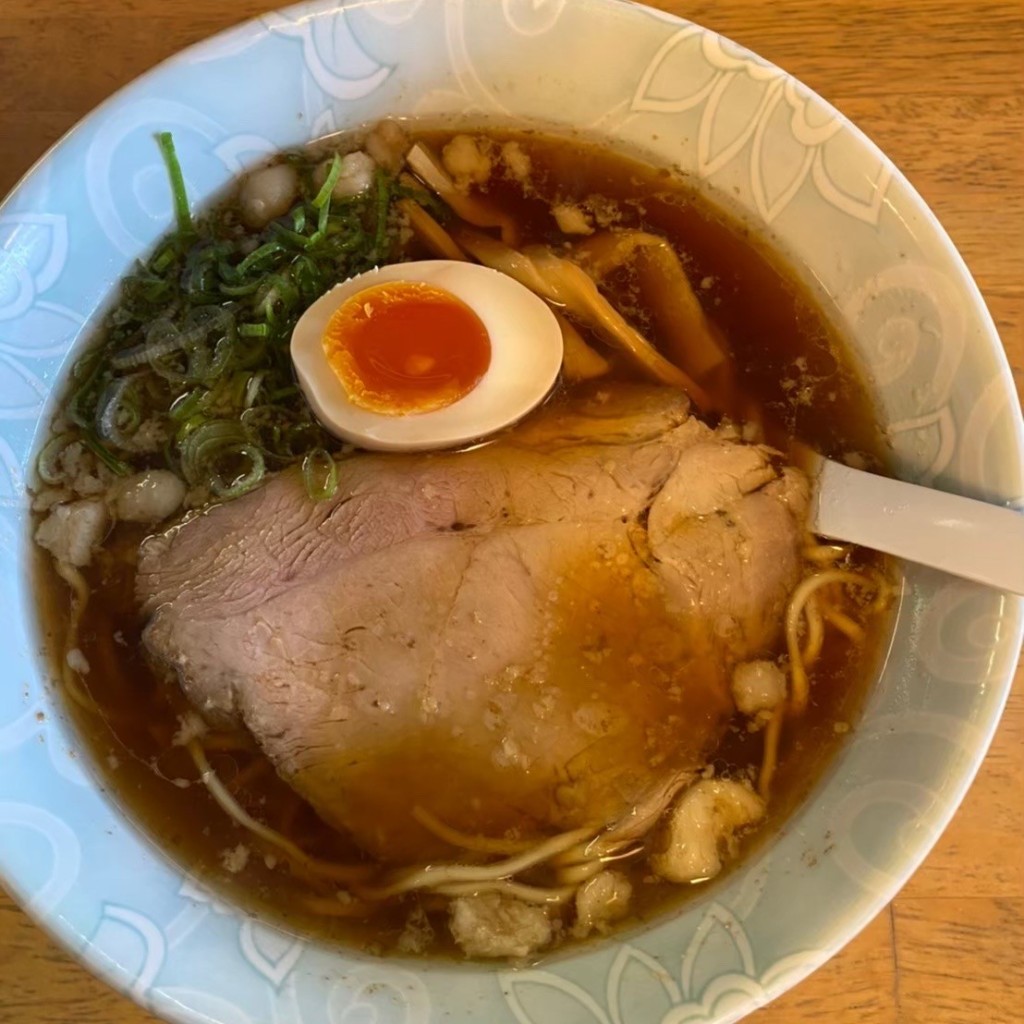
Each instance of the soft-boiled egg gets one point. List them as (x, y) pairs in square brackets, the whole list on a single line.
[(429, 354)]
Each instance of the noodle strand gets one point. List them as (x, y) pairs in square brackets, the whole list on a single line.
[(843, 622), (314, 866), (770, 758), (825, 554), (467, 841), (576, 874), (815, 630), (797, 607), (433, 875)]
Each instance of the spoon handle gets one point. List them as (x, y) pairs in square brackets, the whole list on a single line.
[(968, 538)]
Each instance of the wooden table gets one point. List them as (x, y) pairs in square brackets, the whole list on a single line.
[(939, 85)]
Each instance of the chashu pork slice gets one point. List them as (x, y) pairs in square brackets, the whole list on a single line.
[(530, 635)]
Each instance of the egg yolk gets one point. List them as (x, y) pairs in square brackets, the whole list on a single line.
[(406, 347)]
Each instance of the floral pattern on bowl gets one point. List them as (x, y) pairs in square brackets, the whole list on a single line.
[(798, 172)]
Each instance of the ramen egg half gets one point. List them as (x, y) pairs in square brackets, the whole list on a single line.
[(428, 354)]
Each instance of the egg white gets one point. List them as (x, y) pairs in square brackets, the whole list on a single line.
[(526, 355)]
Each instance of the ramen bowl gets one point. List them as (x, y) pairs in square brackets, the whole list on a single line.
[(801, 176)]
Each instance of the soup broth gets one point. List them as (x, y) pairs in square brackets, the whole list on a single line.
[(791, 366)]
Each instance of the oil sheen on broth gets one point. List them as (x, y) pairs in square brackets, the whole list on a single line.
[(791, 366)]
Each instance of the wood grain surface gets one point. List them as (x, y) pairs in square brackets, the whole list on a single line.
[(939, 85)]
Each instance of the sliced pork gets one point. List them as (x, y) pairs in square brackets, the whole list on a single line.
[(530, 635)]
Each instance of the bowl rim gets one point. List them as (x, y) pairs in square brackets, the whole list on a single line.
[(841, 932)]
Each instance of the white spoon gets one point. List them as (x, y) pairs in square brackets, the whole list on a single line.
[(967, 538)]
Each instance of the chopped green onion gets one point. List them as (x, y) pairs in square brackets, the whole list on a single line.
[(188, 403), (223, 357), (181, 211), (204, 442), (260, 426), (119, 412), (163, 259), (242, 482), (209, 451), (239, 291), (323, 197), (104, 454), (309, 280), (255, 353), (301, 436), (87, 371), (252, 390), (198, 343), (258, 256), (323, 217), (280, 292), (320, 474), (291, 237), (286, 392), (194, 422), (51, 452), (162, 338)]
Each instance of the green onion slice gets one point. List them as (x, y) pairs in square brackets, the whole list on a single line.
[(181, 211), (323, 196), (320, 474), (46, 464)]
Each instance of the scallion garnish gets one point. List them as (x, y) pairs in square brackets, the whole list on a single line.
[(104, 454), (323, 197), (254, 330), (320, 474), (182, 214), (197, 348)]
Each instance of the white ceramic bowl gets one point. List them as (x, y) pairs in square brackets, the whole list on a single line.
[(797, 170)]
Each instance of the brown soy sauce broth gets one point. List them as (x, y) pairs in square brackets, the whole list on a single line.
[(790, 362), (790, 359)]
